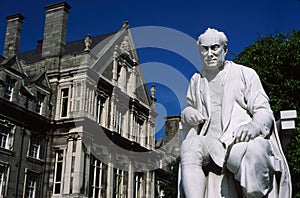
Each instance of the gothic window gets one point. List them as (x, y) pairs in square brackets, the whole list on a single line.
[(120, 183), (3, 179), (139, 186), (9, 86), (5, 136), (35, 148), (64, 102), (58, 171), (119, 123), (138, 129), (98, 177), (99, 109)]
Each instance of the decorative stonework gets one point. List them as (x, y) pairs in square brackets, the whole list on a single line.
[(125, 48), (88, 42)]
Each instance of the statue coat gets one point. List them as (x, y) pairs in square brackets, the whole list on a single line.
[(243, 100)]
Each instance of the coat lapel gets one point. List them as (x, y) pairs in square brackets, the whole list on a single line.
[(228, 97)]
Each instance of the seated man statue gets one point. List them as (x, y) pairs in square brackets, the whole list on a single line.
[(229, 125)]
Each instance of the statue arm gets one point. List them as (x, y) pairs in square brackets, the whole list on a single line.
[(258, 104)]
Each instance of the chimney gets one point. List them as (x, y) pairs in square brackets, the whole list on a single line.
[(13, 35), (55, 30)]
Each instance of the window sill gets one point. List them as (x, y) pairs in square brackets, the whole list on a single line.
[(34, 160), (6, 151)]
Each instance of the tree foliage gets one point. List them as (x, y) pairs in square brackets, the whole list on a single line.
[(170, 187), (276, 59)]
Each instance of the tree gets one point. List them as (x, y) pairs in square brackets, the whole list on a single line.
[(276, 59), (170, 187)]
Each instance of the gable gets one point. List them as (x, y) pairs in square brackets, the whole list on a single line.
[(121, 47), (40, 80), (13, 65)]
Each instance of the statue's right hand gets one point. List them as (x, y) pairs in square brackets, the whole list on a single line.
[(192, 116)]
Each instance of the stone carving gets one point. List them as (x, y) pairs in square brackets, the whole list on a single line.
[(125, 48), (88, 42), (231, 149)]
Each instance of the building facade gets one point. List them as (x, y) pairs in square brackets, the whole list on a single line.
[(73, 114)]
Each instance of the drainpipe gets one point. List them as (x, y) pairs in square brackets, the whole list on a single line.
[(19, 161)]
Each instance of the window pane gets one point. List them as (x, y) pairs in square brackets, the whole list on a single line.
[(64, 102), (4, 136)]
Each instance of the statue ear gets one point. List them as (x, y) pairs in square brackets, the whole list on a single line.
[(225, 49)]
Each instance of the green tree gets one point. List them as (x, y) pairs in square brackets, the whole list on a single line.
[(170, 187), (276, 59)]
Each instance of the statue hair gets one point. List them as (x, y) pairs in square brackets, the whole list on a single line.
[(221, 35)]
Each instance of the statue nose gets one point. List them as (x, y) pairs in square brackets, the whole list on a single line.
[(210, 52)]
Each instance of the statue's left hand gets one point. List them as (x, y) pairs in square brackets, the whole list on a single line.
[(246, 132)]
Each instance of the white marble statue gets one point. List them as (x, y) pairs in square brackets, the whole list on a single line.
[(231, 148)]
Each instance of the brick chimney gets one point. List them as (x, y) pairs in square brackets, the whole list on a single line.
[(55, 30), (13, 35)]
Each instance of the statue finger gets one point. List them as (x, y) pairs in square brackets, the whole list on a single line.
[(243, 136), (247, 138)]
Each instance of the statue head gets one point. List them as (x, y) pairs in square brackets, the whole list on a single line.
[(213, 48)]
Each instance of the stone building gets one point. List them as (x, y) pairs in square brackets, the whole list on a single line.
[(74, 115)]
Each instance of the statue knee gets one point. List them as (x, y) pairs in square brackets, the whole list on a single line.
[(258, 148), (191, 152)]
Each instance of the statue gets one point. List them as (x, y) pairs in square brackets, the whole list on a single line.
[(231, 148), (88, 42)]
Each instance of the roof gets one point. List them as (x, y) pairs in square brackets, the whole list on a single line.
[(1, 59), (72, 47)]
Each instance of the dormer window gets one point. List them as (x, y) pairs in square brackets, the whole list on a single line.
[(39, 103), (9, 86)]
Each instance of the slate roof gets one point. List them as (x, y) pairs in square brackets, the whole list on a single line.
[(1, 59), (72, 47)]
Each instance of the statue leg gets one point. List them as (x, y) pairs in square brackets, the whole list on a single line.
[(193, 181), (255, 170), (193, 155)]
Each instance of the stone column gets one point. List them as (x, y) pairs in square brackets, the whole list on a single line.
[(78, 167), (68, 166), (115, 67), (122, 83), (110, 180), (130, 181), (131, 127), (105, 114), (149, 192), (112, 112), (132, 83)]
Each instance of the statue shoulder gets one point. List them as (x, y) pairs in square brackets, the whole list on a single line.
[(196, 76), (246, 70)]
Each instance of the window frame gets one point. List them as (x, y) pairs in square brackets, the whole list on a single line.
[(3, 179), (98, 178), (61, 165), (9, 88), (9, 136), (38, 144), (64, 102)]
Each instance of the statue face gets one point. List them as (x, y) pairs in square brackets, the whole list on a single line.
[(212, 52)]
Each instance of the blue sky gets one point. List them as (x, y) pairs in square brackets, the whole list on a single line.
[(242, 22)]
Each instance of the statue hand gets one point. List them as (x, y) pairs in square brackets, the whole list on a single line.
[(192, 116), (246, 132)]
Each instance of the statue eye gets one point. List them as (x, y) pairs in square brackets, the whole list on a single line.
[(204, 48), (215, 47)]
